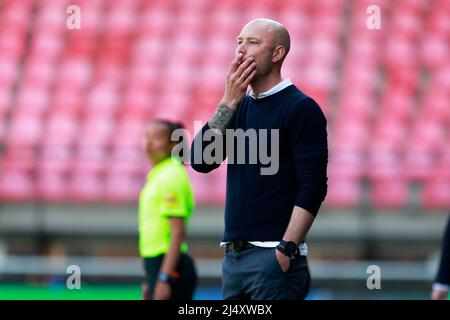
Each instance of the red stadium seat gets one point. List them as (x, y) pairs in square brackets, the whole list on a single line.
[(172, 107), (389, 133), (359, 105), (350, 135), (138, 101), (12, 41), (442, 166), (25, 131), (206, 190), (343, 193), (9, 73), (215, 182), (346, 164), (419, 161), (156, 20), (383, 162), (61, 130), (406, 22), (2, 128), (5, 99), (52, 188), (396, 104), (441, 78), (436, 194), (91, 161), (435, 51), (120, 19), (33, 100), (429, 133), (97, 132), (55, 160), (86, 188), (438, 21), (435, 104), (122, 188), (142, 73), (128, 161), (16, 186), (20, 159), (16, 13), (390, 193), (129, 133), (48, 45), (75, 73), (39, 73)]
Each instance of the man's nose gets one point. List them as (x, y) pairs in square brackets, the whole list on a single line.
[(240, 49)]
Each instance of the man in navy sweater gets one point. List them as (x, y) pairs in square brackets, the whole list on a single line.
[(267, 213)]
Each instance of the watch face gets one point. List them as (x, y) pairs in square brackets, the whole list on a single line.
[(291, 247)]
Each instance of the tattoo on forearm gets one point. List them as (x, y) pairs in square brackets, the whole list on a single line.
[(221, 118)]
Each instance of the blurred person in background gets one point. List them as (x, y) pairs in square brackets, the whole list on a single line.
[(165, 206), (442, 281), (267, 217)]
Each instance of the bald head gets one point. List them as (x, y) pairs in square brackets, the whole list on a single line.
[(267, 42), (276, 31)]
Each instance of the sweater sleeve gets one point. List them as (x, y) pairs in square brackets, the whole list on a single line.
[(443, 275), (309, 137), (207, 150)]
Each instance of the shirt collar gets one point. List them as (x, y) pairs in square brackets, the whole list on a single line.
[(162, 164), (277, 88)]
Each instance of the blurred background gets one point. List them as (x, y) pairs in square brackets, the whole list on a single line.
[(74, 105)]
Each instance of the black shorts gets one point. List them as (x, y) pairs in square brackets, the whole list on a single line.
[(183, 287)]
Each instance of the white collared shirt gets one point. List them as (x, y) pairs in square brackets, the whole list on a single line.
[(277, 88)]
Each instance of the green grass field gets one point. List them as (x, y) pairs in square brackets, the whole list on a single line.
[(86, 292), (133, 292)]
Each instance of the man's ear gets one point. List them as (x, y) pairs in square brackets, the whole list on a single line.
[(278, 53)]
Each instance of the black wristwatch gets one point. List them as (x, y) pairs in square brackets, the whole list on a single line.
[(164, 277), (288, 248)]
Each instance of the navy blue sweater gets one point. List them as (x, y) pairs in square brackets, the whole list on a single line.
[(258, 207), (443, 275)]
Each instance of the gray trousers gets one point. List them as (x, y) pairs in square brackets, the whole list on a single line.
[(255, 274)]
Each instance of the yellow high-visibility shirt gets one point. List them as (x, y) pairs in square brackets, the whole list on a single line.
[(167, 193)]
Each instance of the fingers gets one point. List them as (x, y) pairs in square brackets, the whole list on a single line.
[(236, 61), (247, 75), (248, 70), (249, 78), (244, 65), (239, 79), (243, 71)]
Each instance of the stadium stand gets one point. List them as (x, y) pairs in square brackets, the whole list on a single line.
[(74, 103)]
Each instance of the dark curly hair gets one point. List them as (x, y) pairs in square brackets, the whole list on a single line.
[(173, 126)]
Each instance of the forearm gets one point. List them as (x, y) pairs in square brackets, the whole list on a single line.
[(172, 257), (221, 117), (299, 225), (201, 160)]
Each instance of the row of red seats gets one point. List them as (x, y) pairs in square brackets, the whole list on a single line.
[(393, 193)]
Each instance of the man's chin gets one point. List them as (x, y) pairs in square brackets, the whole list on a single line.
[(257, 77)]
